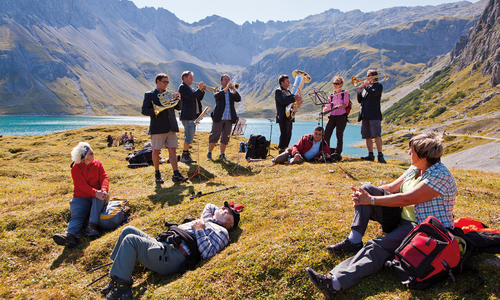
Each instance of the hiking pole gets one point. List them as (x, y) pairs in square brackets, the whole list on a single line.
[(96, 280), (97, 268), (200, 194)]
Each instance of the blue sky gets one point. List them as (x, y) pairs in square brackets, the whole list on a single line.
[(265, 10)]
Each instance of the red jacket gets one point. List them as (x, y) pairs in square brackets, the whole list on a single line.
[(305, 143), (88, 179)]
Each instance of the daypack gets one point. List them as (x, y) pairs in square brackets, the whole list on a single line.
[(114, 214), (145, 155), (427, 254), (258, 147)]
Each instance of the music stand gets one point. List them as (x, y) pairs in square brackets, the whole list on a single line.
[(196, 123), (319, 98), (271, 120)]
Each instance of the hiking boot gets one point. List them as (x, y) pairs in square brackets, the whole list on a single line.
[(178, 159), (322, 282), (66, 240), (91, 230), (107, 288), (223, 157), (120, 289), (209, 156), (370, 157), (186, 158), (280, 150), (178, 178), (336, 157), (381, 159), (158, 178), (345, 246)]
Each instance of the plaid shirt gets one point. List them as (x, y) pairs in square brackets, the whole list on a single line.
[(227, 109), (439, 178), (213, 238)]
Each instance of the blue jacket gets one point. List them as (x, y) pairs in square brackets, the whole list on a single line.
[(189, 100)]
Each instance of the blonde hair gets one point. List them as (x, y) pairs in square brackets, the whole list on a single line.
[(339, 78), (79, 152), (427, 145)]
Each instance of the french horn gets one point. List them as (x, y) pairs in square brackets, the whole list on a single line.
[(168, 99)]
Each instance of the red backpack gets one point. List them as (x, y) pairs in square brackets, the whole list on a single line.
[(427, 254)]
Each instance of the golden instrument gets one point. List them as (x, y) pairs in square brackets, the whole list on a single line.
[(207, 88), (381, 77), (168, 99), (300, 78)]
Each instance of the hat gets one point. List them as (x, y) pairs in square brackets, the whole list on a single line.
[(235, 210)]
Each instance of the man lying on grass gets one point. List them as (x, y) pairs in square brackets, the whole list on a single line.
[(427, 188), (176, 250)]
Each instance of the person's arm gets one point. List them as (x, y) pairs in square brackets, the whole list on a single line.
[(278, 95), (237, 97), (419, 194), (103, 177), (190, 95), (147, 106), (375, 90), (209, 241), (80, 182)]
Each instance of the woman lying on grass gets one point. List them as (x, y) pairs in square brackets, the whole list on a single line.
[(427, 188)]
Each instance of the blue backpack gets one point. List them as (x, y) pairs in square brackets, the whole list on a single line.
[(114, 214)]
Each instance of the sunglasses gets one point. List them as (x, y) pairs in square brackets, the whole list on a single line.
[(337, 83), (165, 82)]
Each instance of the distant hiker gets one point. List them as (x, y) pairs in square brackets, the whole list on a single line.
[(131, 138), (223, 116), (369, 95), (337, 118), (283, 98), (163, 128), (124, 138), (310, 147), (177, 250), (191, 109), (110, 140), (427, 188), (91, 187)]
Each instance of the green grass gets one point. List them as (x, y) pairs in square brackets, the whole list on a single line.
[(291, 213)]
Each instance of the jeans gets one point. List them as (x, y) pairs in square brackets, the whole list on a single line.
[(81, 209), (189, 130)]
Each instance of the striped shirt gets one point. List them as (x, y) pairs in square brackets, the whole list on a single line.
[(439, 178), (227, 109), (211, 239)]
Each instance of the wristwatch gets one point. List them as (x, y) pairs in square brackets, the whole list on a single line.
[(373, 200)]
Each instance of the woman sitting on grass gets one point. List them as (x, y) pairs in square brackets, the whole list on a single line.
[(91, 185), (427, 188)]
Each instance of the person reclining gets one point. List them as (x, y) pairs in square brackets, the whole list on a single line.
[(427, 188), (176, 250), (310, 147)]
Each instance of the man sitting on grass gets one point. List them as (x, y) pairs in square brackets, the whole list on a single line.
[(310, 147), (176, 250)]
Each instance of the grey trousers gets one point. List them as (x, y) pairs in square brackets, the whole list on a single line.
[(134, 245)]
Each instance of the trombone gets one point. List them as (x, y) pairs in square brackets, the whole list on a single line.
[(207, 88), (381, 77)]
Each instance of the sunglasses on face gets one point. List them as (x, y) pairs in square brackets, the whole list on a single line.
[(165, 82), (337, 83)]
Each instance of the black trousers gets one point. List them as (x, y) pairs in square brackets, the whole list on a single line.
[(339, 122), (286, 133)]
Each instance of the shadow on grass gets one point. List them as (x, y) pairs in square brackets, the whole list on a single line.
[(74, 254)]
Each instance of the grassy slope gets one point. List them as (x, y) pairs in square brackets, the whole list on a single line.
[(291, 214)]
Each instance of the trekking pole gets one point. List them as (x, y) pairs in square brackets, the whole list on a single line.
[(100, 267), (96, 280), (200, 194)]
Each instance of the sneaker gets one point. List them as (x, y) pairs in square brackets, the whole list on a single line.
[(158, 178), (209, 156), (345, 246), (66, 240), (178, 178), (369, 157), (120, 289), (322, 282), (223, 157), (91, 230), (186, 158), (381, 159)]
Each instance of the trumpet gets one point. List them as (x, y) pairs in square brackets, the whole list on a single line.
[(168, 99), (207, 88), (381, 77)]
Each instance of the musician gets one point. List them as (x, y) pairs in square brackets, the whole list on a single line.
[(163, 128), (369, 95), (191, 109), (283, 98), (337, 118), (310, 147), (223, 116)]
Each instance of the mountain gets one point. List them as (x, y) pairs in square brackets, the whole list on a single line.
[(99, 57)]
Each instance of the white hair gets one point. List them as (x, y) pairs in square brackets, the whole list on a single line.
[(77, 154)]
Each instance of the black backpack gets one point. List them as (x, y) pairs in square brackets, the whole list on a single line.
[(144, 155), (258, 147)]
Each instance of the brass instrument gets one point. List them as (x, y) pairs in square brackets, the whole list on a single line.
[(207, 88), (168, 99), (300, 78), (381, 77)]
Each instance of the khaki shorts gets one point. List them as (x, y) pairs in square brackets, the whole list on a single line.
[(169, 140)]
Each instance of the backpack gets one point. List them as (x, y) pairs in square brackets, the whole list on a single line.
[(114, 214), (427, 254), (258, 147), (144, 155), (349, 105)]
